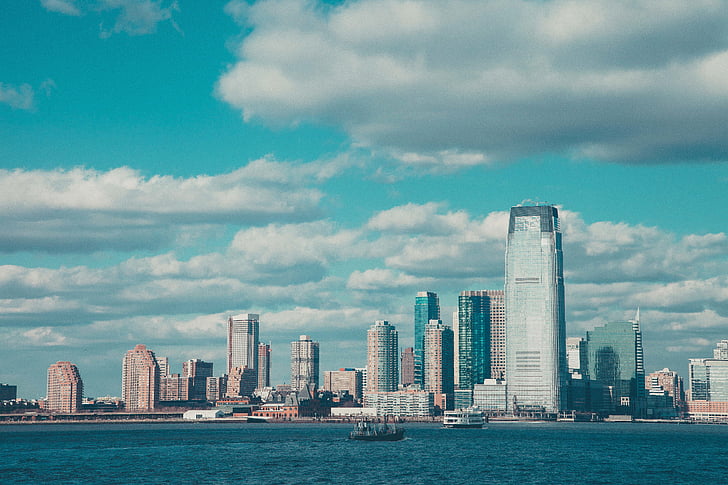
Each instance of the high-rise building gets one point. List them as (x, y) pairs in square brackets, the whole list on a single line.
[(497, 333), (241, 382), (535, 321), (709, 377), (670, 382), (8, 392), (242, 341), (577, 357), (65, 388), (163, 363), (140, 379), (408, 366), (473, 338), (456, 348), (263, 365), (174, 387), (198, 371), (304, 363), (615, 360), (427, 307), (343, 381), (216, 388), (439, 369), (382, 357)]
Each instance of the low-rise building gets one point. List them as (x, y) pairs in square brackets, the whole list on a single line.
[(401, 403)]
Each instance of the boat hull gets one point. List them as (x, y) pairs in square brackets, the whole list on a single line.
[(395, 436)]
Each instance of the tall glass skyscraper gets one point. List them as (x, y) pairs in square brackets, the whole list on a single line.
[(242, 348), (534, 300), (427, 307), (473, 338)]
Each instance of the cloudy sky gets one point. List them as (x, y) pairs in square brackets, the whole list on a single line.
[(166, 164)]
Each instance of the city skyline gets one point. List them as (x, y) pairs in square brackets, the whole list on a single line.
[(152, 184)]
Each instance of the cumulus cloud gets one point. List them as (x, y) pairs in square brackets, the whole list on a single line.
[(17, 97), (66, 7), (456, 83), (85, 210)]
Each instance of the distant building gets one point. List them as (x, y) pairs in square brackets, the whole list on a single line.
[(242, 341), (577, 356), (8, 392), (175, 387), (474, 338), (670, 382), (304, 363), (382, 357), (65, 388), (535, 313), (198, 371), (263, 365), (490, 396), (439, 378), (408, 366), (401, 403), (140, 379), (216, 388), (497, 333), (427, 307), (344, 381), (709, 377), (241, 382)]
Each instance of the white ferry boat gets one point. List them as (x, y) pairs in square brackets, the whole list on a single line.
[(464, 418)]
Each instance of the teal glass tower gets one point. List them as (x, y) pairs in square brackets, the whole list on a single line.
[(427, 307), (534, 299), (473, 338)]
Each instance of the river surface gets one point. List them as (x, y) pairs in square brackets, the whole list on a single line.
[(518, 453)]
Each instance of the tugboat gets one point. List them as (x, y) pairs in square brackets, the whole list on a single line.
[(368, 431), (464, 418)]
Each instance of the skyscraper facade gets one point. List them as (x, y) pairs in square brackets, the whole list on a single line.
[(439, 368), (473, 338), (709, 377), (242, 341), (408, 366), (427, 307), (382, 357), (497, 333), (534, 308), (344, 380), (140, 379), (65, 388), (263, 365), (198, 371), (304, 363)]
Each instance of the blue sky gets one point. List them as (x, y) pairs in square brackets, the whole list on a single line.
[(165, 164)]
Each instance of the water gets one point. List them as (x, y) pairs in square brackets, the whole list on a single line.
[(522, 453)]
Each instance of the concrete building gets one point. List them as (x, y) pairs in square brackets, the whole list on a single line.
[(242, 341), (408, 367), (401, 403), (263, 365), (8, 392), (343, 381), (65, 388), (490, 396), (140, 379), (577, 357), (427, 307), (439, 368), (382, 357), (497, 333), (215, 388), (241, 382), (670, 382), (534, 306), (198, 371), (175, 387), (304, 363)]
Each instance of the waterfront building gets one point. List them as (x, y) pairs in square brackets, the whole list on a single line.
[(490, 396), (427, 307), (242, 341), (263, 365), (709, 377), (198, 371), (670, 382), (344, 381), (382, 357), (497, 333), (408, 367), (8, 392), (410, 403), (175, 387), (65, 388), (473, 338), (304, 363), (439, 370), (241, 382), (577, 357), (615, 360), (456, 349), (140, 379), (216, 388), (534, 307), (463, 398)]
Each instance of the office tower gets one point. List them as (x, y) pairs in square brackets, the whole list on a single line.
[(163, 363), (8, 392), (427, 307), (473, 338), (439, 369), (198, 371), (497, 333), (670, 382), (382, 357), (408, 366), (263, 365), (140, 379), (709, 377), (242, 341), (577, 357), (534, 301), (216, 387), (615, 361), (65, 388), (175, 387), (304, 363), (344, 381), (456, 349)]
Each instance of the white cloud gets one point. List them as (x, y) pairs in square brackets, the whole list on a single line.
[(17, 97), (66, 7), (460, 83)]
